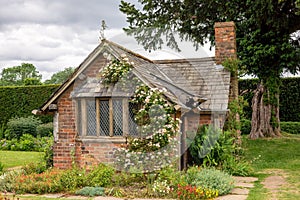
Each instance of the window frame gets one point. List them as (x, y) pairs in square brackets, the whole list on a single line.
[(82, 117)]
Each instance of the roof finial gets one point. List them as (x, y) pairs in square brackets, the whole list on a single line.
[(103, 27)]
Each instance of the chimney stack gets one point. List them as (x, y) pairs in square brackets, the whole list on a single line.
[(225, 40)]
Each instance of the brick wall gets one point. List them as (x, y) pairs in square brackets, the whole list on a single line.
[(225, 39), (92, 152), (66, 131), (69, 147)]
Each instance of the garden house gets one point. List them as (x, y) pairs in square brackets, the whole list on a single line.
[(93, 112)]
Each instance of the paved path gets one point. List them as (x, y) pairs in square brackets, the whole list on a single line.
[(240, 192)]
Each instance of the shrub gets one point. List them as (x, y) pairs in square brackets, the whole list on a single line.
[(100, 176), (34, 168), (48, 152), (290, 127), (72, 179), (22, 125), (209, 178), (8, 144), (212, 148), (161, 188), (203, 143), (245, 126), (91, 191), (1, 168), (3, 131), (172, 175), (47, 182), (26, 143), (45, 130), (7, 182)]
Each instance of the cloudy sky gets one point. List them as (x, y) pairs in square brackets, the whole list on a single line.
[(54, 34)]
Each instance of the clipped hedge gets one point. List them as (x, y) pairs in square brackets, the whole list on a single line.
[(19, 101), (290, 127), (289, 97)]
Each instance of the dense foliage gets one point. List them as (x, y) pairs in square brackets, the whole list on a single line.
[(194, 184), (289, 97), (23, 125), (210, 179), (290, 127), (266, 41), (1, 168), (287, 127), (24, 74), (210, 147), (61, 76), (19, 101), (26, 143)]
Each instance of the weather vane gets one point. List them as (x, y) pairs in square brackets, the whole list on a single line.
[(103, 27)]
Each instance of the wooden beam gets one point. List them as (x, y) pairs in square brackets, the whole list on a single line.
[(125, 117), (84, 117)]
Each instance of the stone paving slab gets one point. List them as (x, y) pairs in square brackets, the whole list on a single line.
[(244, 185), (242, 191), (245, 179), (232, 197)]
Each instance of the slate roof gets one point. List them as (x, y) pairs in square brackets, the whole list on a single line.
[(200, 77), (186, 81)]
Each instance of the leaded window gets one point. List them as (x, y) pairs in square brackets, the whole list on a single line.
[(105, 117)]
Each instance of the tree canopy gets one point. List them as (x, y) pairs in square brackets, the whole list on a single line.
[(61, 76), (25, 73), (267, 39)]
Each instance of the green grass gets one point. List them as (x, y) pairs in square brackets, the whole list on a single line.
[(267, 155), (12, 159), (279, 153), (258, 192)]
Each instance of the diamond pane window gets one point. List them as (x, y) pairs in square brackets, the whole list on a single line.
[(91, 117), (117, 117), (132, 126), (104, 118)]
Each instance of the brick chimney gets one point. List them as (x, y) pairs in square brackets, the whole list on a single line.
[(225, 40)]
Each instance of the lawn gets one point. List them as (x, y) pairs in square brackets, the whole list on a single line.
[(12, 159), (272, 157)]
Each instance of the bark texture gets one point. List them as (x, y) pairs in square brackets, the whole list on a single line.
[(265, 117)]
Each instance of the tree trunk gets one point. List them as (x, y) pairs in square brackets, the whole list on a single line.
[(265, 117)]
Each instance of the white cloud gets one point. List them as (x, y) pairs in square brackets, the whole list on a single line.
[(56, 34)]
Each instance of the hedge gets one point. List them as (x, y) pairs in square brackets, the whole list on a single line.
[(288, 127), (19, 101), (289, 97)]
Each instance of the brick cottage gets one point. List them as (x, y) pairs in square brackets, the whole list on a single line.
[(92, 119)]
